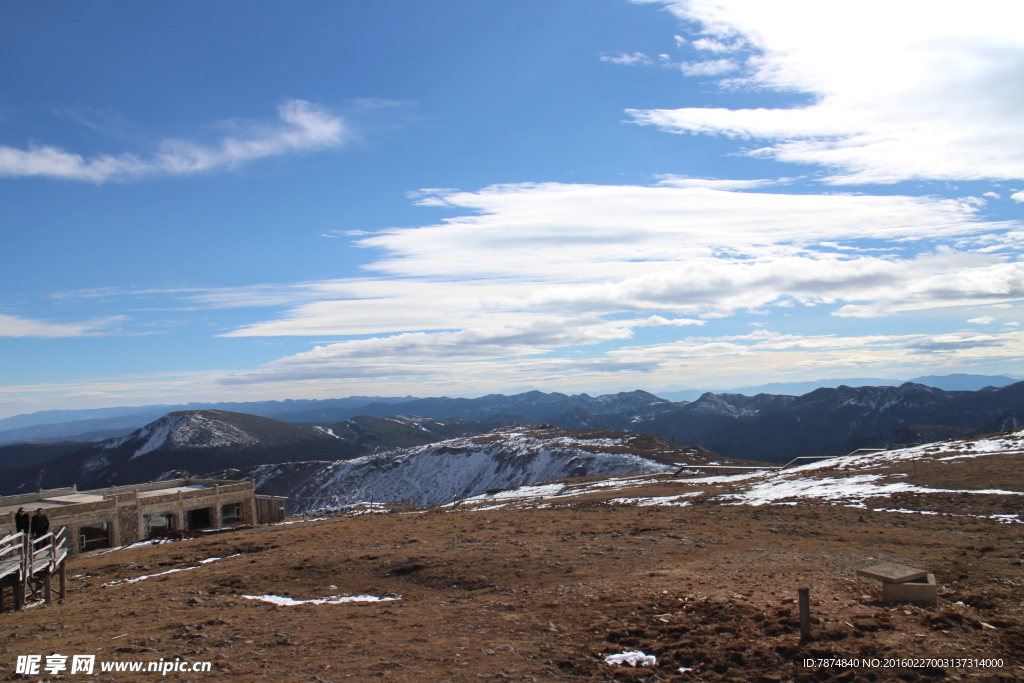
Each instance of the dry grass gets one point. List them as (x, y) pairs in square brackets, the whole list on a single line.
[(544, 594)]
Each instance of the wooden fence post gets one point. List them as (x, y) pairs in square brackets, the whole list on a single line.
[(805, 614)]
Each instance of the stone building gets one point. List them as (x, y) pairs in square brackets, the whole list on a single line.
[(125, 514)]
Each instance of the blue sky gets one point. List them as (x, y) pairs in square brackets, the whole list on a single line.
[(268, 200)]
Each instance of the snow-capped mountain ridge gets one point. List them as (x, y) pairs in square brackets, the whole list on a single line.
[(197, 440), (204, 440), (191, 430), (459, 468)]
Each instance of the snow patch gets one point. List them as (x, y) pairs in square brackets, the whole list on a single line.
[(158, 438), (332, 600), (94, 464), (124, 582), (657, 500), (634, 658)]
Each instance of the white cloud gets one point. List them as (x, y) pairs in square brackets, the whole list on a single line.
[(452, 361), (521, 253), (714, 184), (702, 361), (713, 67), (991, 195), (533, 229), (409, 352), (960, 341), (628, 60), (13, 326), (983, 320), (1017, 196), (766, 352), (711, 45), (527, 272), (901, 90), (302, 127)]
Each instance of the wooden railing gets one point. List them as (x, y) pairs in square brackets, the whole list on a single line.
[(12, 554), (27, 564)]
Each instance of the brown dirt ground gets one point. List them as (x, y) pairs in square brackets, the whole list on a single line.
[(544, 594)]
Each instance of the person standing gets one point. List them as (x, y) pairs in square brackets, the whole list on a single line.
[(40, 523), (22, 522)]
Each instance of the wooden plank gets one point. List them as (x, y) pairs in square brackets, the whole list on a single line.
[(887, 572), (8, 567), (13, 548)]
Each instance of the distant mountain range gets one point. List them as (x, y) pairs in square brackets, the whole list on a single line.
[(765, 427), (96, 424), (955, 382), (103, 423)]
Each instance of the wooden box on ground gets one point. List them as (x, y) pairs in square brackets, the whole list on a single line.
[(919, 591)]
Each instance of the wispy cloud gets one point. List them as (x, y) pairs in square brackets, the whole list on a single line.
[(711, 67), (415, 366), (626, 59), (930, 99), (451, 360), (521, 256), (14, 326), (522, 253), (714, 183), (302, 127)]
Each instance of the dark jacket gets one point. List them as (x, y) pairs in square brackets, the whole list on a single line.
[(40, 525), (22, 523)]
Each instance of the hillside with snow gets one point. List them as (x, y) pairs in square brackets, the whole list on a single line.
[(459, 468), (980, 477), (196, 441)]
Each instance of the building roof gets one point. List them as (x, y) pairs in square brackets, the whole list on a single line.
[(59, 498)]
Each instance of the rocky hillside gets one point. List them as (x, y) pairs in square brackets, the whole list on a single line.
[(461, 468), (202, 440)]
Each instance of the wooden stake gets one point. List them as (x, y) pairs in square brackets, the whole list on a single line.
[(805, 614), (19, 595)]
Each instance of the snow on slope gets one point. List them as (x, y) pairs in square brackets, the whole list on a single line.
[(848, 480), (442, 472), (194, 430)]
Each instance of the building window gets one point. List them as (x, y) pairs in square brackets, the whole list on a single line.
[(200, 518), (94, 535), (231, 514), (158, 525)]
